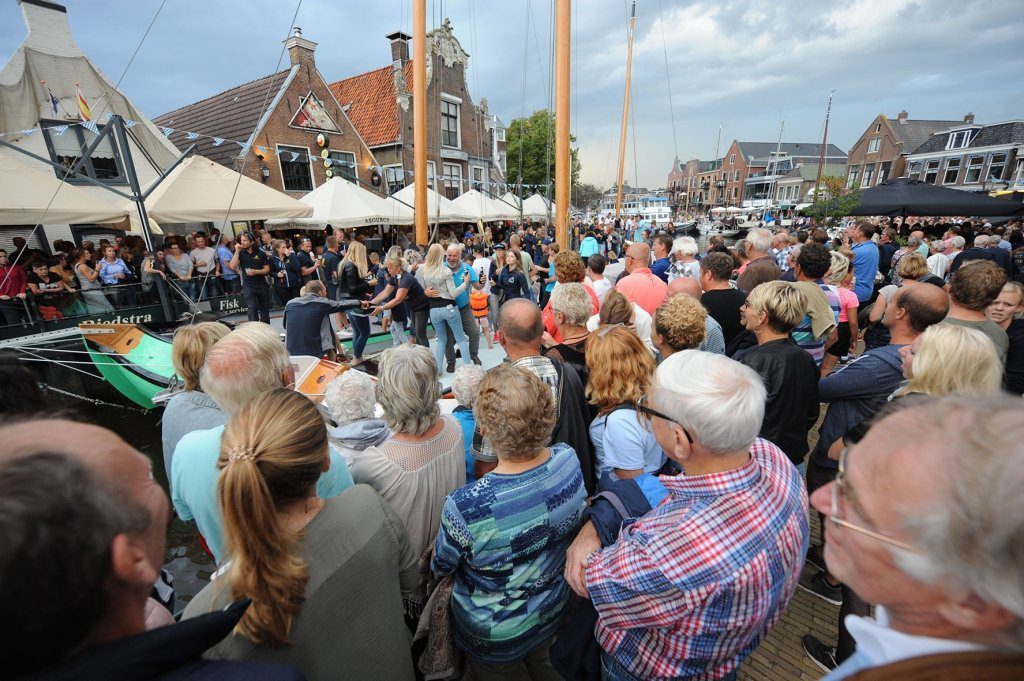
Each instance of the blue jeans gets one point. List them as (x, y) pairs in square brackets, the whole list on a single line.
[(398, 334), (360, 332), (446, 319)]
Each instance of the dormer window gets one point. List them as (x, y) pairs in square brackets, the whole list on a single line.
[(960, 139)]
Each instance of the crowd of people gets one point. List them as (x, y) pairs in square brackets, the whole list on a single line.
[(627, 496)]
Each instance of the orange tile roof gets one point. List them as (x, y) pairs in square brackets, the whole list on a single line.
[(370, 98)]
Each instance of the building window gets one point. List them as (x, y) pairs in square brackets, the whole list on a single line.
[(931, 172), (878, 127), (502, 161), (735, 193), (394, 176), (959, 139), (996, 166), (732, 159), (853, 177), (869, 172), (499, 134), (883, 173), (974, 165), (449, 123), (431, 175), (452, 180), (736, 176), (478, 178), (66, 149), (295, 169), (874, 144), (345, 165), (952, 170), (914, 170)]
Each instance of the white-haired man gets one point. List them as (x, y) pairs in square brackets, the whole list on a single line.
[(936, 547), (761, 266), (690, 589), (350, 401), (248, 361), (684, 248)]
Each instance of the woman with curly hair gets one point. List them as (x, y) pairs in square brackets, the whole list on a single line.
[(301, 559), (569, 269), (620, 369)]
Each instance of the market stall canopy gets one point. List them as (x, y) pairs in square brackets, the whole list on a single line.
[(200, 190), (344, 204), (30, 196), (509, 198), (485, 208), (903, 196), (718, 209), (733, 209), (537, 207), (439, 209)]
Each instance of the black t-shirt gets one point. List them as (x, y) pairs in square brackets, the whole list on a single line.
[(257, 261), (415, 300), (724, 306), (46, 297), (305, 261)]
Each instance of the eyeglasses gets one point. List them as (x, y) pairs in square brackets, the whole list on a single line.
[(642, 408), (837, 492)]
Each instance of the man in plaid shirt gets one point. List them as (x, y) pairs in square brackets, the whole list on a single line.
[(690, 589)]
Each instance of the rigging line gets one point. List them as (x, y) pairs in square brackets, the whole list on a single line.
[(549, 142), (668, 80), (63, 180), (522, 119), (245, 160), (64, 363)]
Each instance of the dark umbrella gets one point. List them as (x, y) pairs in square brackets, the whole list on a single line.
[(903, 196)]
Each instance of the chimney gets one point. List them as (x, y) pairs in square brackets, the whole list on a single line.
[(399, 48), (48, 28), (300, 50), (969, 118), (902, 117)]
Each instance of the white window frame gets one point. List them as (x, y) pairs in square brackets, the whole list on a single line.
[(884, 169), (432, 175), (956, 163), (304, 151), (475, 183), (349, 158), (449, 179), (959, 139), (930, 167), (499, 134), (457, 103), (732, 159), (394, 169), (975, 164), (869, 174), (1001, 166), (853, 177), (874, 144), (878, 127)]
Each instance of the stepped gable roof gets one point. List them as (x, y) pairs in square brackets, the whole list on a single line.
[(231, 115), (370, 101), (765, 150), (914, 133), (1011, 132)]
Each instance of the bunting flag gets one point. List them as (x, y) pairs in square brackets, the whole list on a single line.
[(191, 136), (217, 141), (295, 156), (59, 130), (91, 127), (167, 131), (83, 106), (261, 150), (129, 124)]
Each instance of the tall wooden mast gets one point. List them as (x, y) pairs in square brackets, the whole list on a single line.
[(419, 117), (625, 112), (563, 164), (824, 147)]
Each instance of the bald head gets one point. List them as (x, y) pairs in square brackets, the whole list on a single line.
[(640, 253), (925, 305), (686, 286), (520, 323)]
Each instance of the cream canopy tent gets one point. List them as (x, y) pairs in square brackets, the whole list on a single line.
[(439, 209), (200, 190), (29, 196), (537, 207), (510, 198), (485, 208), (343, 204), (718, 209)]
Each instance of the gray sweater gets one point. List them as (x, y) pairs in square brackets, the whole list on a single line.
[(441, 279)]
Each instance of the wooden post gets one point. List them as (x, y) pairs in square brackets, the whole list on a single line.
[(419, 117), (625, 113), (563, 162)]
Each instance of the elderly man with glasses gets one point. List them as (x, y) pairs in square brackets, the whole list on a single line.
[(936, 547), (690, 588)]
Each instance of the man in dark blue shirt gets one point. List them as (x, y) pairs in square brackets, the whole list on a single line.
[(307, 322)]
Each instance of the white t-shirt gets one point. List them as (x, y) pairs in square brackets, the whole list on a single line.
[(601, 287), (207, 256), (483, 271)]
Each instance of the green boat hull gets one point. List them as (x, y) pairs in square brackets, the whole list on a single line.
[(140, 373)]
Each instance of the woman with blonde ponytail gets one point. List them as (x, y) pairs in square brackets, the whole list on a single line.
[(303, 560)]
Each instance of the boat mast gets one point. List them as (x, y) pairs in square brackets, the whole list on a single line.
[(563, 165), (718, 148), (419, 117), (625, 112), (773, 185), (824, 145)]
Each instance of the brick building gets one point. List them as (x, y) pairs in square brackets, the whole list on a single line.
[(287, 120), (880, 153), (750, 169), (379, 103), (971, 157)]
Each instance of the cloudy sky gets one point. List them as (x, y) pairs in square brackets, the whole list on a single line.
[(746, 64)]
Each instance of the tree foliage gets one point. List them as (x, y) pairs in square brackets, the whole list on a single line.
[(830, 202), (530, 137), (586, 196)]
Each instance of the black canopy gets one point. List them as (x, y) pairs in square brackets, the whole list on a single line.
[(903, 196)]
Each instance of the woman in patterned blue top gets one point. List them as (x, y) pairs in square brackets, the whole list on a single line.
[(505, 535)]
